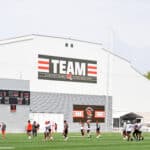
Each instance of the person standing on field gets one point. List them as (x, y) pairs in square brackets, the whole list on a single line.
[(124, 133), (3, 129), (97, 129), (65, 132), (88, 129), (34, 129), (29, 129), (55, 126), (82, 128)]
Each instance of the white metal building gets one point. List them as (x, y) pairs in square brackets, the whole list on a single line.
[(61, 73)]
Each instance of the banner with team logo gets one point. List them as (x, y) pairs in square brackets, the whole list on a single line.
[(92, 113), (66, 69)]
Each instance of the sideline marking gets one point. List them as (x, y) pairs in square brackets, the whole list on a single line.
[(7, 147)]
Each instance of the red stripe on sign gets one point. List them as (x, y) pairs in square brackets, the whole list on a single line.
[(43, 62), (92, 72), (42, 67), (92, 67)]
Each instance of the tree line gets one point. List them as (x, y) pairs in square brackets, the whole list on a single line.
[(147, 75)]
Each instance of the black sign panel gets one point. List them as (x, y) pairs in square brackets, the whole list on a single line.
[(14, 97), (66, 69), (90, 113)]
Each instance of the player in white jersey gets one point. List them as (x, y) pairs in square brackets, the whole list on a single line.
[(129, 129), (48, 131)]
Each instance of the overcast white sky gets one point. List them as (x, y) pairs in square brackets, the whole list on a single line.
[(121, 25)]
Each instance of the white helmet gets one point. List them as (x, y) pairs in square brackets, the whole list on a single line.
[(128, 121)]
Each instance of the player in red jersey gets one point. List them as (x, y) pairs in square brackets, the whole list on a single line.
[(29, 129)]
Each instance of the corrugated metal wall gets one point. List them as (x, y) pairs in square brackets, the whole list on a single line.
[(63, 103)]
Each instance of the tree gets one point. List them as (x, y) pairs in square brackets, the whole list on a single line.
[(147, 75)]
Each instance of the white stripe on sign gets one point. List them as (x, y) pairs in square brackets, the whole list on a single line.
[(94, 65), (92, 75)]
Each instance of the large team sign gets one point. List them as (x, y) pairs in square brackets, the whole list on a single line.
[(90, 113), (66, 69)]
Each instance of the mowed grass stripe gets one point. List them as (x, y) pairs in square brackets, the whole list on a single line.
[(108, 141)]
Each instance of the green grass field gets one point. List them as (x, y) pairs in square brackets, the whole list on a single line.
[(108, 141)]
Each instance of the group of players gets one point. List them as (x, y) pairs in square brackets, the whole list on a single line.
[(32, 129), (88, 129), (48, 133), (132, 131), (49, 130)]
